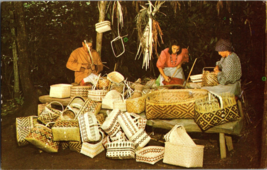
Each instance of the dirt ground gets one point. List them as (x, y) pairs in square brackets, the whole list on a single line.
[(246, 153)]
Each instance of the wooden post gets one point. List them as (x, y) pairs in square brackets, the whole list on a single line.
[(264, 118), (222, 145), (99, 36)]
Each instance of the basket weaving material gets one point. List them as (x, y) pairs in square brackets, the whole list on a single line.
[(209, 78), (60, 90), (127, 124), (66, 130), (173, 104), (23, 128), (97, 95), (210, 112), (75, 146), (89, 127), (140, 138), (136, 105), (115, 77), (41, 137), (111, 125), (92, 150), (80, 91), (119, 104), (120, 150), (111, 96), (183, 155), (150, 154), (49, 114)]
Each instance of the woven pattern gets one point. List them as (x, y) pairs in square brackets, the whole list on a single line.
[(66, 130), (103, 83), (209, 79), (172, 104), (119, 104), (150, 154), (127, 124), (178, 135), (136, 105), (75, 146), (97, 95), (183, 155), (209, 113), (41, 137), (64, 145), (140, 121), (23, 128), (80, 91), (89, 127), (49, 114), (111, 125), (120, 150), (140, 139), (89, 106)]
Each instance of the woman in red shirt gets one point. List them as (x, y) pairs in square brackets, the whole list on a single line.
[(171, 58)]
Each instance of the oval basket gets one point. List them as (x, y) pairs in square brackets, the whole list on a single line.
[(173, 104), (97, 95), (80, 91), (150, 154)]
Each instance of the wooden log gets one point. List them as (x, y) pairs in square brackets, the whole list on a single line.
[(229, 142), (222, 145), (48, 99)]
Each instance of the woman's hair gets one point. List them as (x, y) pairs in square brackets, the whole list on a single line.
[(174, 42)]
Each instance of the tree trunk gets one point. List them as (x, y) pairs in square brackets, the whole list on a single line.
[(264, 120), (99, 36), (30, 96), (15, 58)]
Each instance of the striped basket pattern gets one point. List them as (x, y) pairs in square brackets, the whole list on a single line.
[(150, 154)]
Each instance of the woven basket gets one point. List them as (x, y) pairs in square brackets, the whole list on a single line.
[(80, 91), (150, 154), (90, 106), (209, 78), (139, 120), (76, 104), (140, 139), (103, 83), (23, 128), (75, 146), (60, 90), (136, 105), (66, 130), (119, 104), (115, 77), (111, 125), (183, 155), (119, 136), (97, 95), (127, 124), (173, 104), (41, 108), (120, 150), (41, 137), (111, 96), (50, 114), (211, 112), (92, 150)]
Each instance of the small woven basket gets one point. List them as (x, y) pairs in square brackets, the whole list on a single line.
[(120, 150), (209, 78), (97, 95), (150, 154), (136, 105), (80, 91), (111, 96), (103, 83), (115, 77)]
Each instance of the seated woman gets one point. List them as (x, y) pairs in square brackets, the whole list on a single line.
[(171, 58), (229, 77)]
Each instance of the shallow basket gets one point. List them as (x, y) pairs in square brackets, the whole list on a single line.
[(60, 90), (80, 91), (150, 154), (173, 104), (97, 95), (115, 77)]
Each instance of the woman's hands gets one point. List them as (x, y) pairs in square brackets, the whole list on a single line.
[(166, 78), (216, 70)]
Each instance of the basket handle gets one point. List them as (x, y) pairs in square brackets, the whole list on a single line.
[(56, 102), (217, 95), (206, 67), (167, 136)]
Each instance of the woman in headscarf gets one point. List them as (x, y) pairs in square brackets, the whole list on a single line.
[(229, 77), (171, 58)]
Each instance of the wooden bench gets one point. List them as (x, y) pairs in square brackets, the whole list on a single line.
[(232, 128)]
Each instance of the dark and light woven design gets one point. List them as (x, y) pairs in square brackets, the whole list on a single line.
[(111, 125), (173, 104), (211, 112), (140, 139), (90, 106), (41, 137), (150, 154), (136, 105), (75, 146), (80, 91), (120, 150), (209, 78), (50, 114), (23, 128)]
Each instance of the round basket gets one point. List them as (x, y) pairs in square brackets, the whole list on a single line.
[(173, 104), (80, 91), (97, 95), (115, 77), (136, 105), (103, 83), (150, 154)]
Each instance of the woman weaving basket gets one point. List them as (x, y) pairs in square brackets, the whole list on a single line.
[(230, 66), (170, 61)]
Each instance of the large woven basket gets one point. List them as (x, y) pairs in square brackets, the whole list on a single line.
[(136, 105), (60, 90), (97, 95), (209, 78), (173, 104), (80, 91), (150, 154)]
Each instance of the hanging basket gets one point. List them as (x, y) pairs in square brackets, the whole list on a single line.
[(103, 26)]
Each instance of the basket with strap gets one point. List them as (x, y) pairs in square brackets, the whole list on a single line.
[(76, 104), (80, 91), (41, 137), (127, 124), (23, 128), (90, 149), (150, 154), (178, 135), (140, 121), (50, 114), (209, 78), (89, 127), (97, 95), (90, 106), (111, 125), (211, 112), (173, 104), (136, 105), (66, 130)]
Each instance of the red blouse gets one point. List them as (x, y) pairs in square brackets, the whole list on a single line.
[(164, 59)]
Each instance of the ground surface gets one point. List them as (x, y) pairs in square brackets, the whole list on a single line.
[(246, 153)]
